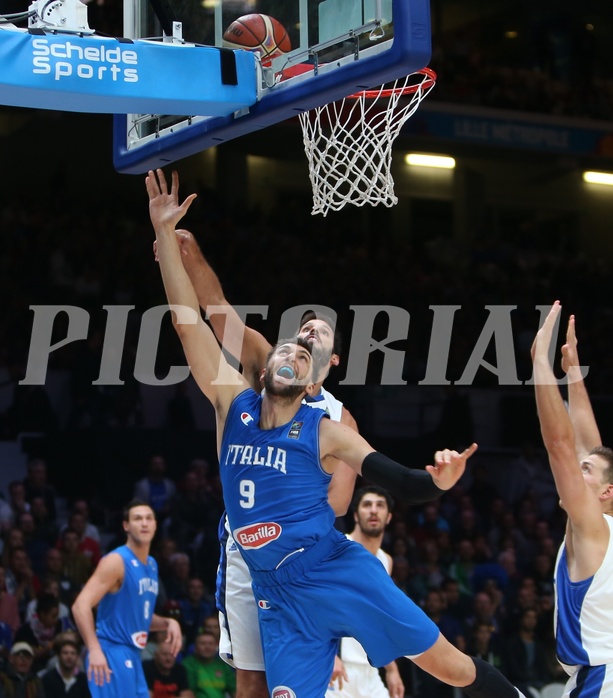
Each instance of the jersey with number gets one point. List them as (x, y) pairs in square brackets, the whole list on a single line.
[(351, 649), (276, 491), (327, 402), (584, 632), (124, 617)]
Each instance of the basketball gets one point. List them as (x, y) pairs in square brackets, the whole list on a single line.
[(257, 32)]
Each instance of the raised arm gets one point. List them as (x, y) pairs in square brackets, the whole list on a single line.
[(338, 442), (244, 343), (587, 435), (215, 377), (580, 503)]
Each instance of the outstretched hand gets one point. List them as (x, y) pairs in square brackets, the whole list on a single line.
[(542, 341), (164, 207), (570, 356), (449, 466)]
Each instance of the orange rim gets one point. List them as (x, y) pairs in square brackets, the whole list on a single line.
[(428, 81)]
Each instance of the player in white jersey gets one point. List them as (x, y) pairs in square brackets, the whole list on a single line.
[(372, 507), (240, 644), (583, 472)]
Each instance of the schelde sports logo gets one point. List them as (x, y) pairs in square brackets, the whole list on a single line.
[(64, 59), (246, 418), (257, 535), (283, 692), (139, 639)]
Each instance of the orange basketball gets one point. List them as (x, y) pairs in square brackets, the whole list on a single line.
[(257, 32)]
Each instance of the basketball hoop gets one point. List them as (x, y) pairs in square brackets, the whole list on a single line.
[(349, 143)]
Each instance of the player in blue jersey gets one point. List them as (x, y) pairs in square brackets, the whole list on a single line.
[(583, 472), (124, 587), (240, 644), (312, 584)]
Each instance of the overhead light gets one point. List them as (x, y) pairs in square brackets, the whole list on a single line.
[(423, 160), (598, 178), (511, 34), (589, 27)]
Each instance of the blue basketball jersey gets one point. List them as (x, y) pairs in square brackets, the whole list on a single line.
[(275, 490), (124, 617)]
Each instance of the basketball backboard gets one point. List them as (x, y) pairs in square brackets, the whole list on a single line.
[(338, 47)]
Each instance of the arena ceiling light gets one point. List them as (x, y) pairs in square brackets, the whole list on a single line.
[(592, 177), (424, 160)]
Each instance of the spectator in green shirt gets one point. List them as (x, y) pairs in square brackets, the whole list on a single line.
[(207, 675)]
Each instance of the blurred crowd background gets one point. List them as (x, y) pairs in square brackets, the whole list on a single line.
[(72, 453)]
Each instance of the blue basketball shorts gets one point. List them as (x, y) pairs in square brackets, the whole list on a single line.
[(335, 589), (127, 678)]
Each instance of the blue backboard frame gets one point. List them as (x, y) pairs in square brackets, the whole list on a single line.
[(410, 50)]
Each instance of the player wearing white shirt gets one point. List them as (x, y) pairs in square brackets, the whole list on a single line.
[(372, 513), (583, 473)]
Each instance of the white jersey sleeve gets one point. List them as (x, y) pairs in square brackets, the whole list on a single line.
[(327, 402)]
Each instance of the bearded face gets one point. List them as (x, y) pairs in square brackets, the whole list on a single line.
[(289, 391), (288, 371)]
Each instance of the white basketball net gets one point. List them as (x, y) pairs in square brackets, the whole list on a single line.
[(349, 143)]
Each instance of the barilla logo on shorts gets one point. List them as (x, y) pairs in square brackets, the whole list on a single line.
[(246, 418), (257, 535), (139, 639), (283, 692)]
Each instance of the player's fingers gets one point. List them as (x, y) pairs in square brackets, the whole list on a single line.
[(570, 332), (188, 202), (162, 182), (467, 452), (151, 185)]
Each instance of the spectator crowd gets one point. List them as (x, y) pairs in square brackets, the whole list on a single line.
[(480, 564)]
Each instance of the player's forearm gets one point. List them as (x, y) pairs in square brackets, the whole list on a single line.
[(178, 287), (411, 485), (84, 619), (587, 434), (204, 279), (556, 426)]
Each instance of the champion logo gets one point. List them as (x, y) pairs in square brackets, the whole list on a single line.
[(129, 664), (264, 605), (134, 562), (246, 418), (257, 535), (282, 692)]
